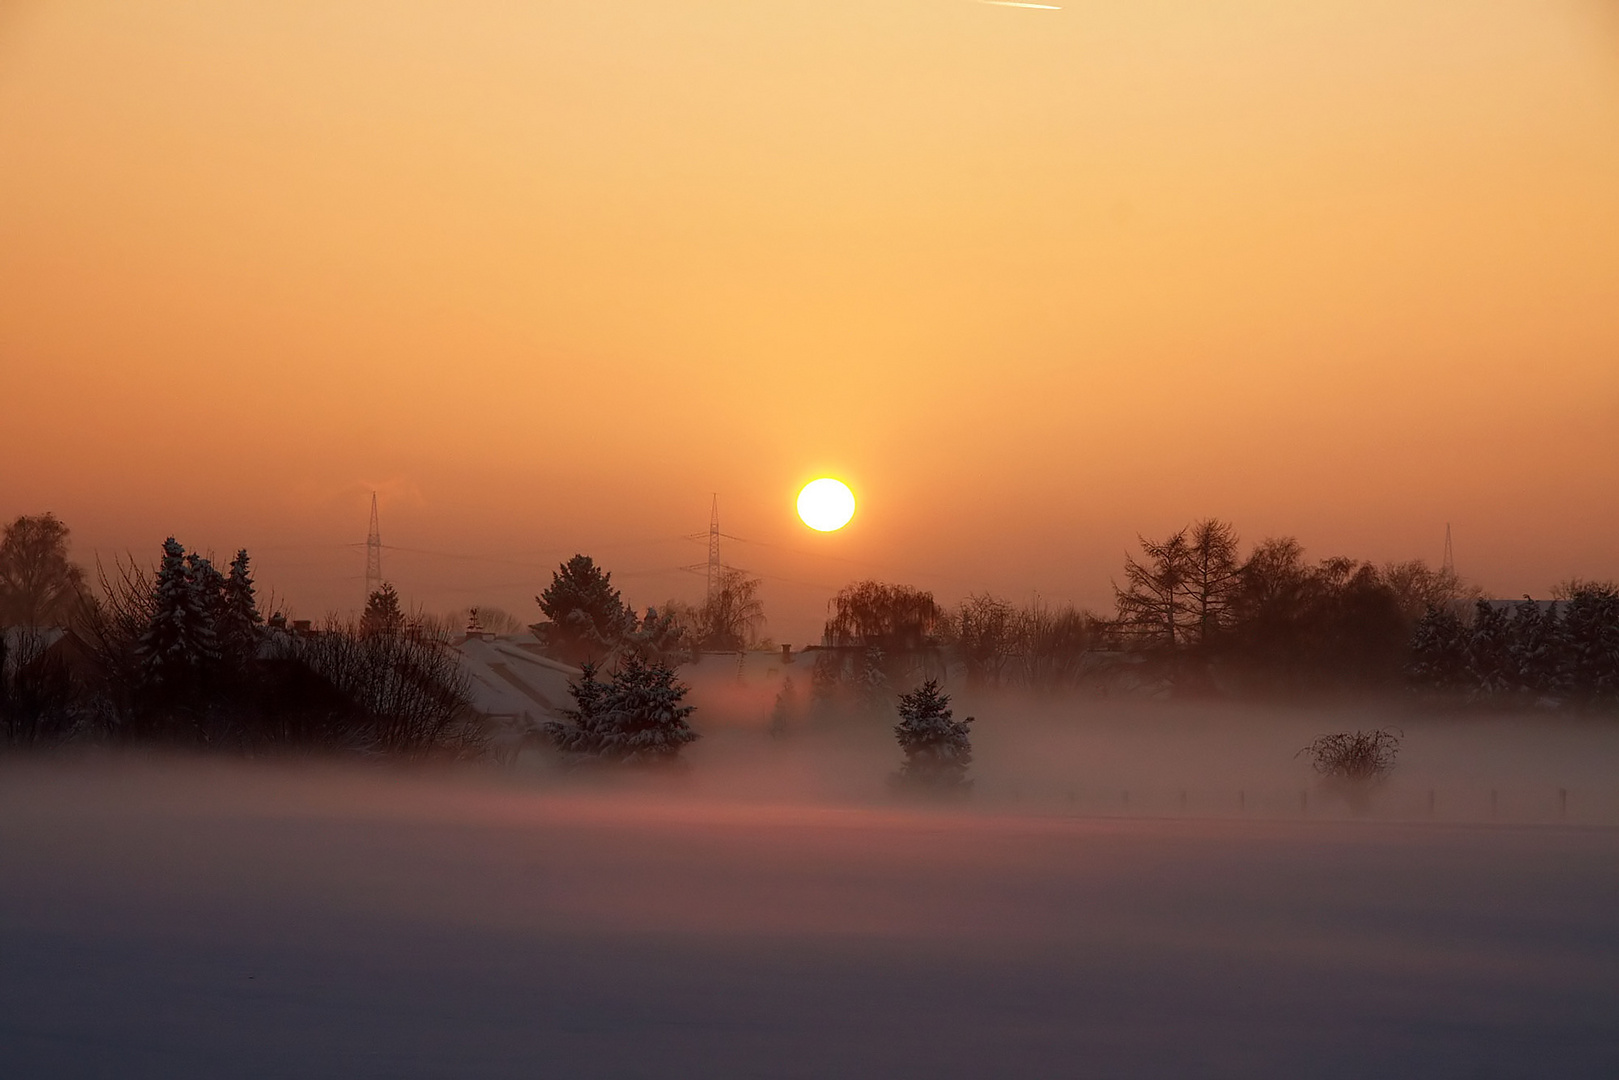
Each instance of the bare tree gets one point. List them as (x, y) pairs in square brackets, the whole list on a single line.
[(38, 585), (896, 628), (986, 630), (1154, 608), (1418, 587), (1212, 579), (408, 687), (732, 616), (894, 618), (1052, 644)]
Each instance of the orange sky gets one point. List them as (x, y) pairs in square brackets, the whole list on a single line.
[(548, 274)]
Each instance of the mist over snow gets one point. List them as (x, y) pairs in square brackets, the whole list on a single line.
[(776, 910)]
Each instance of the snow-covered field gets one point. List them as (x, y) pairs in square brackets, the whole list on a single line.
[(771, 913)]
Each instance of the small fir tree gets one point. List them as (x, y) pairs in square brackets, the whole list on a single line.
[(383, 615), (636, 717), (937, 748)]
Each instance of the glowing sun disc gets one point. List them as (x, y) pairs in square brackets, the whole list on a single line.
[(826, 504)]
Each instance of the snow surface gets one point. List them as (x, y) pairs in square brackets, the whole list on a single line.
[(197, 919)]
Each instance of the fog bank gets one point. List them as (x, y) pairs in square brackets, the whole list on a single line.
[(176, 918)]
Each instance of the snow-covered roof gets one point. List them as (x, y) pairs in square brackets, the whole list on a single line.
[(511, 678)]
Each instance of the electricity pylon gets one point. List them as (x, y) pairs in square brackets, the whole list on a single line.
[(373, 553), (713, 545), (714, 565)]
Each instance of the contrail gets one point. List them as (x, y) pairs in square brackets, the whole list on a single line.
[(1014, 3)]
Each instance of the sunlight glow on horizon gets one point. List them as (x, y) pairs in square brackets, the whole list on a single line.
[(548, 275)]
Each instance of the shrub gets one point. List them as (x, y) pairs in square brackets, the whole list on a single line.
[(1359, 757)]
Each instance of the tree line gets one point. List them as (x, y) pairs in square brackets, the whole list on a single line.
[(181, 652), (1527, 653), (181, 655)]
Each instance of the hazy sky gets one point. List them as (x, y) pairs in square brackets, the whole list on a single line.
[(547, 275)]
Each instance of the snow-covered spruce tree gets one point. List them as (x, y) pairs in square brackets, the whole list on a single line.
[(938, 749), (1591, 646), (1489, 652), (1439, 651), (167, 647), (208, 603), (582, 733), (588, 617), (661, 638), (636, 717), (239, 620), (1536, 649)]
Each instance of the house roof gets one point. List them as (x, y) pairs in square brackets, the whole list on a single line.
[(510, 678)]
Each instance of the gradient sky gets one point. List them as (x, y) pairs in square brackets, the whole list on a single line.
[(547, 275)]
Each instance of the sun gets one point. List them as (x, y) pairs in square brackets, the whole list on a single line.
[(826, 505)]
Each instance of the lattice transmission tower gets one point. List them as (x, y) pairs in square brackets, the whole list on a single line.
[(373, 553), (1449, 565), (713, 567), (713, 545)]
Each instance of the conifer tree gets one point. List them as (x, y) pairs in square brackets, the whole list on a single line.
[(582, 733), (1489, 655), (206, 610), (1439, 651), (240, 619), (588, 617), (636, 717), (383, 615), (1591, 628), (1536, 648), (937, 748), (660, 637), (166, 651)]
